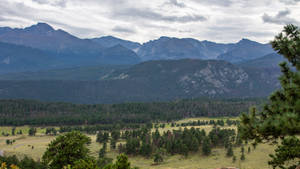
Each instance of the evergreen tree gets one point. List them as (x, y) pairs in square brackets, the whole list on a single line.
[(158, 158), (102, 153), (113, 143), (85, 164), (184, 150), (122, 162), (8, 142), (145, 149), (13, 130), (242, 149), (32, 131), (243, 156), (206, 146), (280, 117), (229, 152), (194, 145), (66, 150), (233, 159)]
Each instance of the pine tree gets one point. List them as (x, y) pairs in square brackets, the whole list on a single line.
[(229, 152), (102, 153), (206, 146), (66, 150), (194, 146), (158, 158), (280, 117), (122, 162), (32, 131), (13, 130), (233, 159), (113, 143), (243, 156)]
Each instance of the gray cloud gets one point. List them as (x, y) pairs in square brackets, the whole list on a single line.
[(133, 13), (281, 18), (60, 3), (176, 3), (225, 3), (2, 18), (123, 29)]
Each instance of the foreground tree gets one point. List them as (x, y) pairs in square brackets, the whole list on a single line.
[(280, 118), (66, 150), (121, 163)]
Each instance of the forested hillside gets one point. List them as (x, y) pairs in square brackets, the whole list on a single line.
[(22, 112), (145, 82)]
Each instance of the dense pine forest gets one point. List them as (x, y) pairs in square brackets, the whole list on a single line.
[(29, 112)]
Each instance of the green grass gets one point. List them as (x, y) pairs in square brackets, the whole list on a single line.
[(257, 159)]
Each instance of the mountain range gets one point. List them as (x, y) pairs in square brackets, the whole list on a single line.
[(39, 62), (65, 50)]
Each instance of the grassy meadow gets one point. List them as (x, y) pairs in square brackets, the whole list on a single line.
[(34, 146)]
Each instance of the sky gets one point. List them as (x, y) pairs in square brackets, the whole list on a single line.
[(143, 20)]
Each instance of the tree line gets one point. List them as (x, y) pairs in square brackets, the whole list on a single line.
[(30, 112)]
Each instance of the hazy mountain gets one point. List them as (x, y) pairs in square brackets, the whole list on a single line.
[(175, 48), (152, 81), (246, 50), (110, 41), (210, 50), (65, 49), (168, 48), (119, 55), (269, 61), (16, 58), (4, 30), (43, 36)]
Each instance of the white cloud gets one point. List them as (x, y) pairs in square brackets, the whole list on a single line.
[(143, 20)]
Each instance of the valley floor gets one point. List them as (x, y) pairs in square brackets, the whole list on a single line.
[(36, 145)]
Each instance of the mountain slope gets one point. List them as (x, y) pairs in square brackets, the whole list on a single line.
[(43, 36), (91, 73), (119, 55), (210, 50), (16, 58), (152, 81), (269, 61), (246, 50), (168, 48), (110, 41)]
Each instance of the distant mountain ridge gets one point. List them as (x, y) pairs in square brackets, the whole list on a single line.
[(246, 50), (110, 41), (175, 48), (65, 50)]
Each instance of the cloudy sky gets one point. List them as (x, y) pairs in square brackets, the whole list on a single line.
[(143, 20)]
